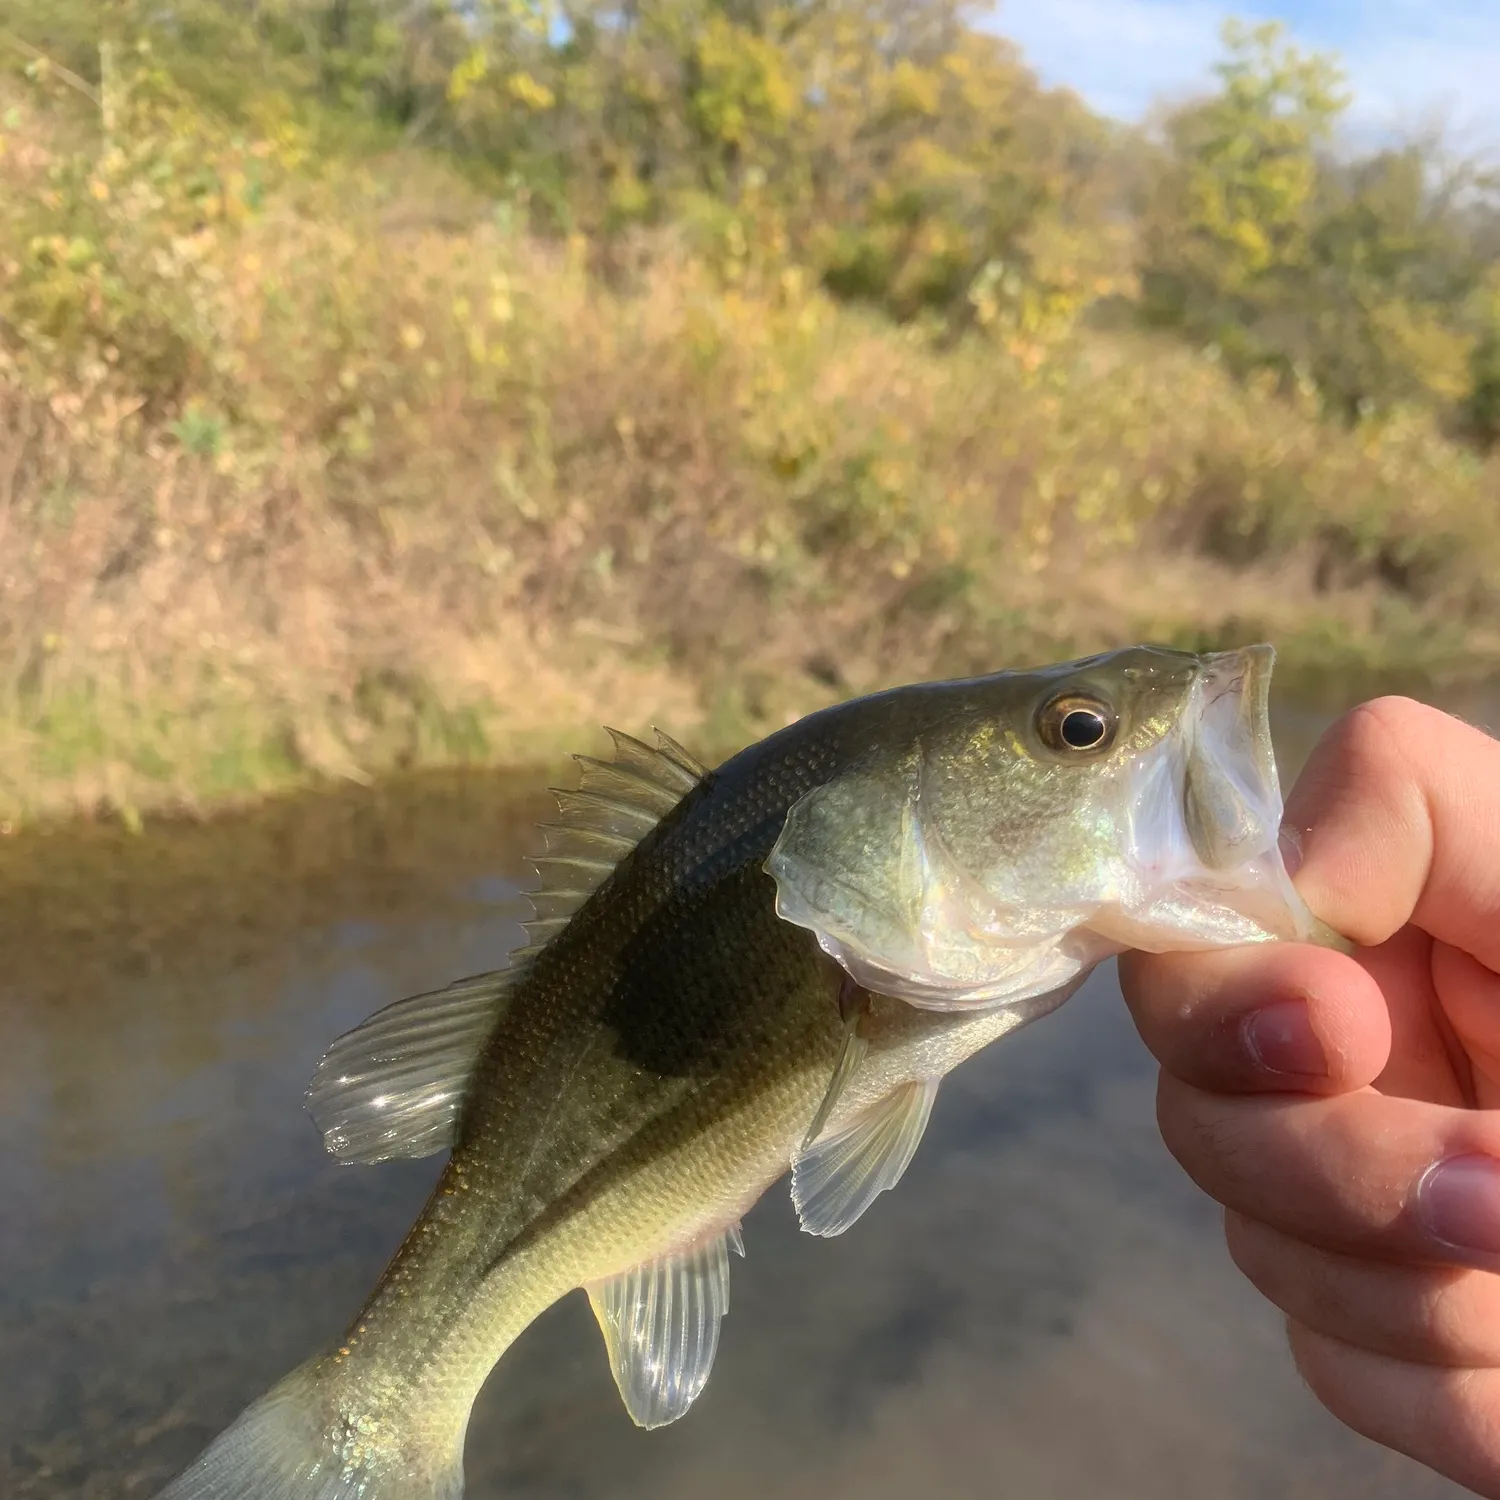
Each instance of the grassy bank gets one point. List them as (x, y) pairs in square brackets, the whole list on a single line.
[(313, 470)]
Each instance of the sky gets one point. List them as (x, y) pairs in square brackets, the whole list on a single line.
[(1411, 63)]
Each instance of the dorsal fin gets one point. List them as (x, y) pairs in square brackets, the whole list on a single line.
[(616, 804), (395, 1085)]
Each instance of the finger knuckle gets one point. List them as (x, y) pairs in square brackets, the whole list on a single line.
[(1378, 737), (1321, 1364), (1305, 1282), (1437, 1313), (1215, 1147), (1460, 1417), (1254, 1252)]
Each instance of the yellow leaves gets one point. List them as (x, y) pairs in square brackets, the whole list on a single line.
[(988, 74), (502, 307), (1437, 354), (520, 86), (1246, 165), (290, 146), (577, 253), (914, 90), (747, 88), (928, 163), (1484, 307), (1249, 237), (461, 81), (75, 253), (529, 91)]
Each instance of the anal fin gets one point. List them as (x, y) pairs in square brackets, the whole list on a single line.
[(838, 1177), (660, 1323)]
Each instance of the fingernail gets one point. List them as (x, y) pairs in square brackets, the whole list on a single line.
[(1281, 1040), (1458, 1202)]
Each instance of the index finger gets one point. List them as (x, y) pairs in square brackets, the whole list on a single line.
[(1398, 813)]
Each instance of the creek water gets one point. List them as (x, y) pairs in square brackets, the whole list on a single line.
[(1043, 1310)]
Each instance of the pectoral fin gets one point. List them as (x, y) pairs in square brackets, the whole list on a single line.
[(660, 1323), (394, 1086), (837, 1178), (854, 1006)]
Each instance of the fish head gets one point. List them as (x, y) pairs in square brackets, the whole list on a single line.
[(1042, 821)]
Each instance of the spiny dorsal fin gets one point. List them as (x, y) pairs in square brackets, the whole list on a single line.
[(616, 804), (839, 1176), (660, 1323), (394, 1086), (693, 770)]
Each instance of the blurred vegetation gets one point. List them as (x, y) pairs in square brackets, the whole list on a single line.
[(391, 385), (1376, 278)]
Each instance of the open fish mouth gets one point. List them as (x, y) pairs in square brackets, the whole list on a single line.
[(1208, 824), (1231, 797)]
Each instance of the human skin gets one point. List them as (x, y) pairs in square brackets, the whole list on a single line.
[(1346, 1110)]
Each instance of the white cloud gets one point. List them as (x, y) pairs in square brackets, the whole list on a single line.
[(1410, 62)]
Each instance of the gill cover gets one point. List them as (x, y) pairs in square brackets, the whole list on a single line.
[(860, 865)]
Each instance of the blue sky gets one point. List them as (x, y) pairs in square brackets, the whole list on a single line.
[(1410, 62)]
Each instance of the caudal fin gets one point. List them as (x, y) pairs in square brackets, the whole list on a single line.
[(296, 1443)]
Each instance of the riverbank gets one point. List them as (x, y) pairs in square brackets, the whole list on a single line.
[(343, 476)]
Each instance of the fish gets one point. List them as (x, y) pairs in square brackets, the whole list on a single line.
[(737, 974)]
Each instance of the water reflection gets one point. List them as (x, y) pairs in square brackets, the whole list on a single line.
[(1044, 1308)]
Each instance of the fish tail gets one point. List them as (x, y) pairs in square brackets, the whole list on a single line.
[(301, 1442)]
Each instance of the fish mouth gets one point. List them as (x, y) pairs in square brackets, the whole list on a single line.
[(1231, 797), (1209, 823)]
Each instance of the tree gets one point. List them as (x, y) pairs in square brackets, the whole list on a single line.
[(1231, 217)]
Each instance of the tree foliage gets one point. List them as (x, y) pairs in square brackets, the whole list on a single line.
[(899, 151), (897, 148), (1367, 276)]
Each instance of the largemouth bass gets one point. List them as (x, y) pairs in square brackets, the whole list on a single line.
[(736, 973)]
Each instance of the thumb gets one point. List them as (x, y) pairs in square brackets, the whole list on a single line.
[(1398, 816)]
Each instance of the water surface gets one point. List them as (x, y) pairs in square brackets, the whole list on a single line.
[(1043, 1310)]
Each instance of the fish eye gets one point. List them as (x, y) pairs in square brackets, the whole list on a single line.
[(1076, 724)]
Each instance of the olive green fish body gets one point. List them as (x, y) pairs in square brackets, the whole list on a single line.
[(960, 854), (649, 1077)]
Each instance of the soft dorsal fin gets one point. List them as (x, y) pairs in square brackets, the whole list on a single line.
[(394, 1086), (839, 1176), (660, 1323), (617, 803)]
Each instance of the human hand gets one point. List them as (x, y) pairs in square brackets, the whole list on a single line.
[(1346, 1111)]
